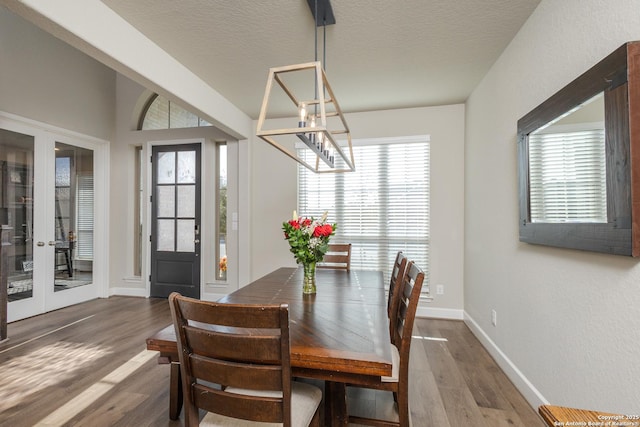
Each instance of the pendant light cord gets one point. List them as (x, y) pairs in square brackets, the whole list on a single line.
[(324, 47)]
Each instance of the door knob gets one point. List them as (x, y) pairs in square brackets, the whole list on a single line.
[(40, 243)]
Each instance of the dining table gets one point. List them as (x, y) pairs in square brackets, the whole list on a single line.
[(339, 335)]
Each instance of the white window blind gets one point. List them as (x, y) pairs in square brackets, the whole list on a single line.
[(567, 175), (381, 208), (84, 234)]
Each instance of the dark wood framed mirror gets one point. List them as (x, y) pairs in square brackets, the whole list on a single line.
[(579, 161)]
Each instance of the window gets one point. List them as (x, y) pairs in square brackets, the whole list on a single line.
[(84, 234), (567, 175), (164, 114), (138, 202), (382, 207), (221, 197)]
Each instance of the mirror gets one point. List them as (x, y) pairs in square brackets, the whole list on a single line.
[(567, 172), (575, 161)]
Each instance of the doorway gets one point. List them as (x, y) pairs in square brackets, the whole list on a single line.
[(49, 202), (175, 220)]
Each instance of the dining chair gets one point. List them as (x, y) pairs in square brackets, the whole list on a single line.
[(397, 272), (337, 257), (408, 297), (235, 364)]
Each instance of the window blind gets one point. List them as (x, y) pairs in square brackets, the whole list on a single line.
[(381, 208), (84, 234), (567, 174)]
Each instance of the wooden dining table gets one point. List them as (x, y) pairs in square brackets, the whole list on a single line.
[(339, 335)]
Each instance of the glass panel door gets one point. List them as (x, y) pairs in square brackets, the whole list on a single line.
[(50, 208), (73, 217), (175, 220), (16, 211)]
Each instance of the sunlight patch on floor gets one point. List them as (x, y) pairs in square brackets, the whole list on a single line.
[(42, 368), (418, 337), (63, 414)]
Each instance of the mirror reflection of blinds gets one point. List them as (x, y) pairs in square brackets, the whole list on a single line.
[(84, 233), (567, 173), (381, 208)]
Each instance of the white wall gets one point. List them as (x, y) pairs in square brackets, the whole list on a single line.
[(44, 79), (274, 188), (568, 321)]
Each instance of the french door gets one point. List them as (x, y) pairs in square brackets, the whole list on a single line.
[(48, 200)]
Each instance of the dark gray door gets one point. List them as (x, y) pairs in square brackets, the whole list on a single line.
[(175, 220)]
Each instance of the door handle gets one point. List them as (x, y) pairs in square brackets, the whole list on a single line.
[(53, 242), (40, 243), (196, 241)]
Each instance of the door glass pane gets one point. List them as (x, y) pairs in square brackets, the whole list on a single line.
[(16, 211), (186, 167), (166, 168), (74, 194), (186, 235), (166, 235), (166, 201), (187, 201)]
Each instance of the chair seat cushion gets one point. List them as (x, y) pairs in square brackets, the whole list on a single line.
[(305, 399), (395, 367)]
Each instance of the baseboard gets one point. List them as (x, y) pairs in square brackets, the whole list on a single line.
[(440, 313), (128, 292), (528, 390)]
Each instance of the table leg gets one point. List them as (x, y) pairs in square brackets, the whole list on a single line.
[(175, 392), (335, 404)]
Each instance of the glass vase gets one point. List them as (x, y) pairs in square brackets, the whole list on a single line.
[(309, 278)]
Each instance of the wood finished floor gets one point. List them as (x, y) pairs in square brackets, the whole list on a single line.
[(43, 367)]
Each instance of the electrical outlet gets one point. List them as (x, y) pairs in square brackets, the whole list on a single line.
[(494, 318), (440, 289)]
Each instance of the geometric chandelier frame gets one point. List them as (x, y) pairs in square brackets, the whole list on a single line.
[(320, 120)]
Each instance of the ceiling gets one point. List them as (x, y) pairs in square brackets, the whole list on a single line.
[(380, 54)]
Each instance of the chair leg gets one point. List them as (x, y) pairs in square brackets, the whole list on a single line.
[(403, 410), (175, 392)]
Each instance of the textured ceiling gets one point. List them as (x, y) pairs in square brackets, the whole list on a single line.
[(380, 54)]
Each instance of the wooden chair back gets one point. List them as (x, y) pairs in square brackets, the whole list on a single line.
[(397, 272), (337, 257), (402, 322), (233, 346)]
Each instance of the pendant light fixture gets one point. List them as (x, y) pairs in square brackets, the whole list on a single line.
[(319, 117)]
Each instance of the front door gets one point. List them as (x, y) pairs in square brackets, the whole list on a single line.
[(175, 220)]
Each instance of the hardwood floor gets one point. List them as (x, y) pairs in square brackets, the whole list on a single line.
[(87, 365)]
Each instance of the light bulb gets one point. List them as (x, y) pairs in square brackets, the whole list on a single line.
[(302, 112), (312, 135)]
